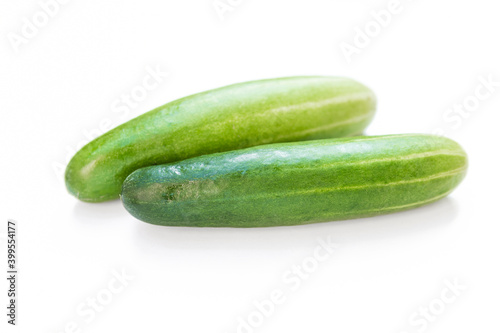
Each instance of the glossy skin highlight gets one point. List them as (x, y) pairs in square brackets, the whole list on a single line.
[(229, 118), (298, 183)]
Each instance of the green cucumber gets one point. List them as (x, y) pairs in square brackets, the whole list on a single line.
[(297, 183), (233, 117)]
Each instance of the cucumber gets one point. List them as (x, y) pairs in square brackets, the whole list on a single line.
[(228, 118), (297, 183)]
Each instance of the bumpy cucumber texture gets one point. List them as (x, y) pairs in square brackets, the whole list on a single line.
[(297, 183)]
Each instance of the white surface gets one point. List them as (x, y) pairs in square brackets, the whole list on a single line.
[(64, 80)]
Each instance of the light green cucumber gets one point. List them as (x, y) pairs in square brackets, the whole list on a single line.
[(228, 118), (297, 183)]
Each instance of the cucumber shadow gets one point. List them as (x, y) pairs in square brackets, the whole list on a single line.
[(409, 223), (99, 213)]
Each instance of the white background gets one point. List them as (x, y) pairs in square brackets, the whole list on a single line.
[(58, 87)]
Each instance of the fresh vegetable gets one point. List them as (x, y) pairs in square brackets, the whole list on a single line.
[(229, 118), (297, 183)]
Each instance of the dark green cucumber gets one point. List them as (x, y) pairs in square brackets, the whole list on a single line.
[(297, 183), (229, 118)]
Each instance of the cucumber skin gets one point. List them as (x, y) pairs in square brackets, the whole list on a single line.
[(233, 117), (297, 183)]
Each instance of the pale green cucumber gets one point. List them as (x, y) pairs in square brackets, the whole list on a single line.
[(229, 118)]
